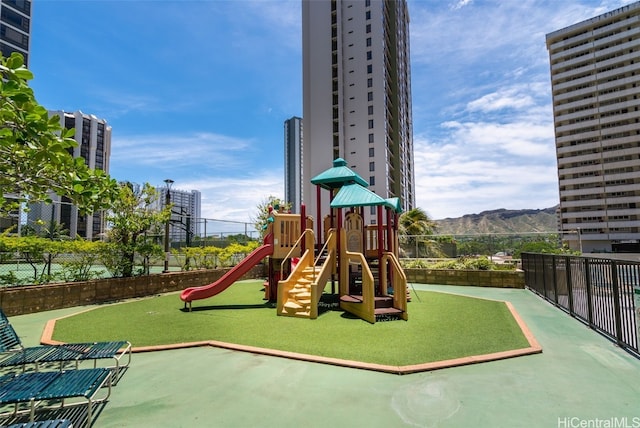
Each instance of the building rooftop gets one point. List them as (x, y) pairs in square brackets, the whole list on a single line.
[(580, 376)]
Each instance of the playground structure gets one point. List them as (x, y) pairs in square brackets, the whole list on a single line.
[(302, 261)]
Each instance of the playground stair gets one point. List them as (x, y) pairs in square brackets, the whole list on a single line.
[(298, 301), (384, 310)]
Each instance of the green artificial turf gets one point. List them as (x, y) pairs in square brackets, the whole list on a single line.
[(441, 326)]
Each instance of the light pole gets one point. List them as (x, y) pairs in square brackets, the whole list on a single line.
[(167, 204), (580, 240)]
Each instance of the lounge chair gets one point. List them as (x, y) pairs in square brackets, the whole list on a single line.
[(54, 423), (13, 353), (26, 392)]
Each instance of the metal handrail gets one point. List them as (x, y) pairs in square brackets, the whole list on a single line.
[(295, 246), (330, 239)]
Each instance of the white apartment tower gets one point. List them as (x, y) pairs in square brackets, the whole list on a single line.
[(357, 95), (595, 80), (186, 213), (93, 138), (293, 162)]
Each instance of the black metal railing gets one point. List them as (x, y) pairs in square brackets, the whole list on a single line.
[(602, 293)]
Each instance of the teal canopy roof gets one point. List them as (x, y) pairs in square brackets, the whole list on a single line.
[(337, 176), (395, 203), (354, 195)]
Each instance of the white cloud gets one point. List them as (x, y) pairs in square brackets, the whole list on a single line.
[(460, 4), (512, 98), (236, 197), (198, 150), (481, 166), (453, 179)]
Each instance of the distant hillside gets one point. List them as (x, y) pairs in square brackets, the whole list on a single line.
[(500, 221)]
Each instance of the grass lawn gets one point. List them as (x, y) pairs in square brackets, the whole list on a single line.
[(441, 326)]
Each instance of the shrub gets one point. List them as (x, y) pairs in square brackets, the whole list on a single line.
[(463, 263)]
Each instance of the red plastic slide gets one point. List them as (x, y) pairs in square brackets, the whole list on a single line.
[(210, 290)]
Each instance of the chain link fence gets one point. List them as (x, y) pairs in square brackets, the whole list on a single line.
[(37, 265), (503, 245)]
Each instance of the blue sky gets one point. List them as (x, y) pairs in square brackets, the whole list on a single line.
[(197, 91)]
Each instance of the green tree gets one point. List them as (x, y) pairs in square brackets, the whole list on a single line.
[(548, 245), (134, 220), (413, 228), (83, 256), (38, 252), (261, 219), (35, 150), (416, 222)]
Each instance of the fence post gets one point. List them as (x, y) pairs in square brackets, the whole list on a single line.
[(544, 276), (587, 281), (555, 279), (616, 303), (569, 283)]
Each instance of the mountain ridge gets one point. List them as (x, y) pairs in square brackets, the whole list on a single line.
[(500, 220)]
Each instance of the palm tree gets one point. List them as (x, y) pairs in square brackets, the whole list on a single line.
[(416, 222), (414, 225)]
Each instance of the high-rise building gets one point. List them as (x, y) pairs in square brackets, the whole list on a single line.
[(15, 36), (595, 81), (357, 95), (15, 27), (185, 213), (93, 138), (293, 162)]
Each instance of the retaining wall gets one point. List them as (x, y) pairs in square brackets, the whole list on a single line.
[(38, 298), (478, 278)]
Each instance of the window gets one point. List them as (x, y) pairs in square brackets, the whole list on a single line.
[(368, 14), (370, 96), (370, 110), (368, 41), (370, 123), (372, 166), (367, 3), (368, 28), (371, 151), (369, 68), (371, 138), (369, 55), (369, 82), (19, 21)]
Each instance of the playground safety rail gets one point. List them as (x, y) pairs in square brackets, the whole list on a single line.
[(328, 267), (365, 310), (398, 282)]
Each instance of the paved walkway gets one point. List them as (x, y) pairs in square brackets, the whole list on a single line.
[(580, 378)]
